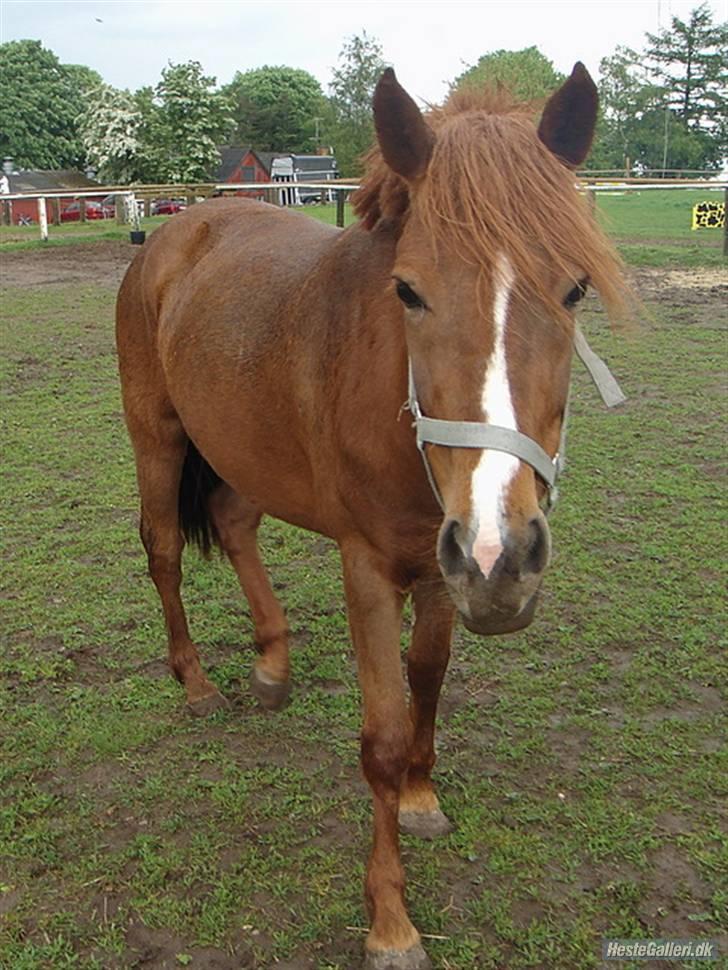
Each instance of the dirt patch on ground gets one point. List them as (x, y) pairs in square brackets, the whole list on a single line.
[(701, 293), (103, 263), (106, 262)]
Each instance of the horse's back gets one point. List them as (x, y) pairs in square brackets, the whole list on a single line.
[(213, 319), (236, 239)]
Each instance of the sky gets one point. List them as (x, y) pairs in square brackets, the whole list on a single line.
[(428, 42)]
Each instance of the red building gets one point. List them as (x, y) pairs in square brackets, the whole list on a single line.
[(24, 211), (242, 164)]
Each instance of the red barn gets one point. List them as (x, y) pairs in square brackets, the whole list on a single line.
[(37, 181), (243, 164)]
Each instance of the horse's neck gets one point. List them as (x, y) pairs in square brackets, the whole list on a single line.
[(367, 325)]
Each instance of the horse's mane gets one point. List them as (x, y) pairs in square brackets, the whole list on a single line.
[(493, 188)]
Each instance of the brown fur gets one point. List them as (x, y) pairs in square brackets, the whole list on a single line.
[(263, 360)]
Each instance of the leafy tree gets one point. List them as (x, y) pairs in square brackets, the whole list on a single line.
[(352, 88), (527, 74), (84, 79), (110, 129), (187, 120), (630, 103), (691, 62), (39, 106), (275, 108), (147, 162), (666, 107)]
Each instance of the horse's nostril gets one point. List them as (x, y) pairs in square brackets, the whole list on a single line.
[(450, 552), (538, 548)]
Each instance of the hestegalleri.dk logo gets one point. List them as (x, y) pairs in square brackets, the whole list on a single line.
[(659, 950)]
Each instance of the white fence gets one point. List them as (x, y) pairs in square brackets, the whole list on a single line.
[(278, 193)]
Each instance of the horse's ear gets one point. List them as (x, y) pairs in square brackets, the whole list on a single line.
[(570, 116), (404, 136)]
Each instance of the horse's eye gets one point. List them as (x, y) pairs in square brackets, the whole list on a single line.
[(575, 295), (408, 296)]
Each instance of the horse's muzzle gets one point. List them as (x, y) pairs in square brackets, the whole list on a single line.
[(505, 599)]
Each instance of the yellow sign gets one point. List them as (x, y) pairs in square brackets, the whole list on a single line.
[(709, 215)]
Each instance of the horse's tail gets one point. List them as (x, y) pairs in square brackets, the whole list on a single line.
[(198, 483)]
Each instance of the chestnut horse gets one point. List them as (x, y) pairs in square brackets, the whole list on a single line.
[(264, 364)]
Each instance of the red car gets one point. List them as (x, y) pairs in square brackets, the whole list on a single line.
[(94, 210), (167, 207)]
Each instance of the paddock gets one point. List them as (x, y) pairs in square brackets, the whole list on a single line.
[(579, 759)]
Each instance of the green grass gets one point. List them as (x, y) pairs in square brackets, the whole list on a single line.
[(654, 227), (19, 238), (581, 760), (651, 227), (665, 215)]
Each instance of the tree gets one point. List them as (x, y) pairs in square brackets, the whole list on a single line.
[(111, 129), (629, 103), (352, 88), (84, 79), (527, 74), (691, 62), (185, 122), (665, 108), (39, 107), (275, 108)]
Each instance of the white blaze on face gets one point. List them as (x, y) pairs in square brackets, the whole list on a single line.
[(496, 469)]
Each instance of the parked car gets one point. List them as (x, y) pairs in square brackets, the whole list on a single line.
[(94, 210), (167, 207)]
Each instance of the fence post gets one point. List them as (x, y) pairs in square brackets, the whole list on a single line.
[(592, 199), (43, 219), (82, 209), (340, 208), (119, 207), (56, 211), (725, 222)]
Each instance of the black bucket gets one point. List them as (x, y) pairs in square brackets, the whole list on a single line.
[(137, 237)]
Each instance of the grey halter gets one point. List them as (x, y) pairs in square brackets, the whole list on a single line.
[(477, 434)]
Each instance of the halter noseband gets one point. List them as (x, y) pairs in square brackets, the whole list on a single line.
[(477, 434)]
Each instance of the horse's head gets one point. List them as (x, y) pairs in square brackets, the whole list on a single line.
[(495, 250)]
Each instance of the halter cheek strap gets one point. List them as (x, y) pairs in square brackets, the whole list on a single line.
[(476, 434)]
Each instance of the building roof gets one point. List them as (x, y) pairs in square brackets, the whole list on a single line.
[(314, 163), (39, 179), (232, 155)]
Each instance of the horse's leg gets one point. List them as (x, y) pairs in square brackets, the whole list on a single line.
[(375, 615), (160, 457), (236, 521), (419, 811)]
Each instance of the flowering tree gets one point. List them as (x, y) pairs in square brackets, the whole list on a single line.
[(110, 134)]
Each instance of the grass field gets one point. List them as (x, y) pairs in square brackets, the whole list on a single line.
[(653, 228), (581, 760)]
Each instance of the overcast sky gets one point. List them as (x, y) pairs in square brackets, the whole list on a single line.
[(429, 42)]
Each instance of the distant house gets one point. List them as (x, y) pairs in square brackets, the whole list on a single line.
[(303, 168), (243, 164), (39, 180)]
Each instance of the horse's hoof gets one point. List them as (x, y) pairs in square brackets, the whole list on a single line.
[(413, 959), (272, 694), (425, 825), (208, 705)]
